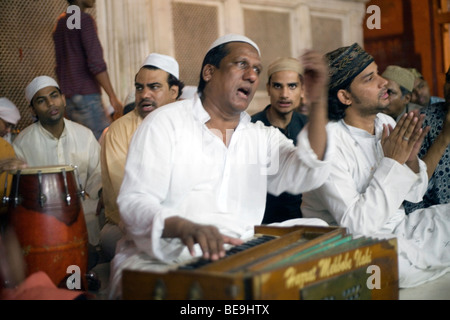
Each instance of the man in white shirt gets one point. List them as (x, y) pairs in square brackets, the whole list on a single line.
[(198, 170), (376, 168), (54, 141)]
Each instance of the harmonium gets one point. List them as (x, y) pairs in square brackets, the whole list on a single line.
[(280, 263)]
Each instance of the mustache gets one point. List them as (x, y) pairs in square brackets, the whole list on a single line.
[(147, 102), (382, 93)]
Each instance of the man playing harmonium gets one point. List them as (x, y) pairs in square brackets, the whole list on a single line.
[(198, 170)]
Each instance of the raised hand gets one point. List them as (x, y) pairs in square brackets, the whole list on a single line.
[(315, 84), (316, 77)]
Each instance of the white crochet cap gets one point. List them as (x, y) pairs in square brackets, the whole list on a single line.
[(163, 62), (9, 111), (37, 84), (232, 37)]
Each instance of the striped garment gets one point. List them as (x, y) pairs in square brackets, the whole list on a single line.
[(79, 56)]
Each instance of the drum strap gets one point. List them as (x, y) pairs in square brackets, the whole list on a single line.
[(66, 188), (42, 197)]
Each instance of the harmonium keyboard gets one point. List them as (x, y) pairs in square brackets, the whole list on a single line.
[(280, 263)]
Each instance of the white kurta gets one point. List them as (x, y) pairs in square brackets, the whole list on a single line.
[(177, 166), (77, 146), (365, 192)]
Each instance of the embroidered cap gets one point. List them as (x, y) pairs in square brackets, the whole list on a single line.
[(345, 64)]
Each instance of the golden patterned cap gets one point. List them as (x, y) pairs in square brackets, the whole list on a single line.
[(345, 64)]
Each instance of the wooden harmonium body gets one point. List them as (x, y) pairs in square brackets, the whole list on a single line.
[(280, 263)]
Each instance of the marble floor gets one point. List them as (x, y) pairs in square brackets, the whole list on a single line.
[(438, 289)]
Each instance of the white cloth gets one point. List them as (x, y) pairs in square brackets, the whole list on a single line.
[(364, 193), (177, 166), (77, 146), (188, 92)]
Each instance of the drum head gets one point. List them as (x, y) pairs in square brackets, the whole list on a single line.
[(45, 169)]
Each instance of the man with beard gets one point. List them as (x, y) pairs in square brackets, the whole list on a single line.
[(376, 168), (285, 89), (198, 170), (156, 84), (54, 141)]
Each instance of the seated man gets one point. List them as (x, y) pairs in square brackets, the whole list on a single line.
[(400, 86), (285, 89), (156, 84), (9, 117), (376, 168), (198, 170), (54, 141)]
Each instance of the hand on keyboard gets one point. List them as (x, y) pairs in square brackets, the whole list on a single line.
[(209, 238)]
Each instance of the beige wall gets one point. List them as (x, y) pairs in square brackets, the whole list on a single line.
[(131, 29)]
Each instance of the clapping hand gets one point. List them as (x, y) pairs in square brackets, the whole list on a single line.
[(403, 142)]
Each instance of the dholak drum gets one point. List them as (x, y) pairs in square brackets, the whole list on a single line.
[(45, 210)]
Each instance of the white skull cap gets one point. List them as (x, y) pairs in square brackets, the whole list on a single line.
[(232, 37), (9, 111), (163, 62), (37, 84)]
